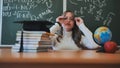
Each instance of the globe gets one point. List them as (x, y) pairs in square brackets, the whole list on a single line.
[(102, 34)]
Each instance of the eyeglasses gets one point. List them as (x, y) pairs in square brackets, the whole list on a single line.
[(68, 18)]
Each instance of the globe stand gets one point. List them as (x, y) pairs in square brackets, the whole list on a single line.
[(101, 49)]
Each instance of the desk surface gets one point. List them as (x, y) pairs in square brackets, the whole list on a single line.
[(65, 56)]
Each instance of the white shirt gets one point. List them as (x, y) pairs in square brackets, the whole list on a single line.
[(67, 43)]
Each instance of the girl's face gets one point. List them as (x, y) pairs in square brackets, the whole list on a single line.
[(68, 22)]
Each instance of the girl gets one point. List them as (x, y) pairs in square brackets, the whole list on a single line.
[(68, 33)]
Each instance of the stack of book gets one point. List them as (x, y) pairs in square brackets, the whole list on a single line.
[(33, 41)]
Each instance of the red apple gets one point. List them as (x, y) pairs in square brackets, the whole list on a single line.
[(110, 47)]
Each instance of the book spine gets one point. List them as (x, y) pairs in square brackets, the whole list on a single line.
[(32, 32), (25, 47), (45, 42), (26, 50)]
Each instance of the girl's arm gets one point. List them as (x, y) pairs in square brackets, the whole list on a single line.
[(55, 28), (87, 39)]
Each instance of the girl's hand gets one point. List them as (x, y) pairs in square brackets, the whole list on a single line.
[(60, 19), (78, 21)]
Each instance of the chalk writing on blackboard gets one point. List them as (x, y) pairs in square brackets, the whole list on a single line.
[(27, 8), (108, 19), (92, 8)]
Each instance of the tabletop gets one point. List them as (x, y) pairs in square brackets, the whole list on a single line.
[(60, 57)]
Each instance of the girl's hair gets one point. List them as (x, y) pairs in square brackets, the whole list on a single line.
[(76, 33)]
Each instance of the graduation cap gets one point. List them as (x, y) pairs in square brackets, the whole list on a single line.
[(32, 26), (35, 25)]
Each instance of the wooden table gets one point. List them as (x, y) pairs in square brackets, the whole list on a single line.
[(59, 59)]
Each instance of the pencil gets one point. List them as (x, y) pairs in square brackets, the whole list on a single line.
[(50, 34)]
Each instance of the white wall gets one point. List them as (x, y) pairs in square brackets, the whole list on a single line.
[(1, 1)]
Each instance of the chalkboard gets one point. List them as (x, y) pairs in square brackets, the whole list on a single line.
[(98, 13), (94, 12), (26, 10)]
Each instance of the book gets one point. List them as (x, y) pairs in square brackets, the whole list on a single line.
[(17, 46), (28, 35), (34, 37), (32, 32), (45, 42), (28, 39), (40, 50), (33, 41), (33, 48)]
